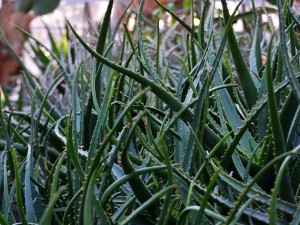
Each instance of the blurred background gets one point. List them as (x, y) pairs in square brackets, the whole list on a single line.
[(48, 22)]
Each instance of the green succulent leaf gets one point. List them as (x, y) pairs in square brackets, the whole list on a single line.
[(41, 7)]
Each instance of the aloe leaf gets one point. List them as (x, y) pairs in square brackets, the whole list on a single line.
[(183, 130), (261, 196), (73, 154), (7, 198), (75, 109), (113, 157), (199, 190), (83, 101), (100, 47), (104, 218), (43, 103), (187, 160), (247, 83), (192, 41), (104, 29), (286, 192), (101, 120), (2, 163), (142, 47), (158, 54), (262, 117), (57, 130), (255, 56), (140, 190), (160, 146), (287, 114), (202, 25), (166, 212), (232, 146), (2, 220), (206, 197), (189, 78), (230, 111), (267, 167), (241, 210), (124, 208), (289, 70), (232, 116), (87, 122), (165, 217), (6, 133), (252, 115), (289, 107), (296, 219), (209, 213), (158, 124), (122, 180), (10, 198), (28, 187), (154, 199), (46, 218), (276, 190), (70, 207), (100, 150), (236, 95), (34, 133), (98, 83), (293, 129), (55, 190), (88, 199), (20, 204), (56, 173)]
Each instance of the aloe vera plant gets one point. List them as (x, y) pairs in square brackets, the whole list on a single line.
[(193, 135)]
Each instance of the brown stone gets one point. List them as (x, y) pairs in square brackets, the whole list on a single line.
[(9, 20)]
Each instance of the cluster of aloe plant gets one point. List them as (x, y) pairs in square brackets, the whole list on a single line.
[(210, 138)]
